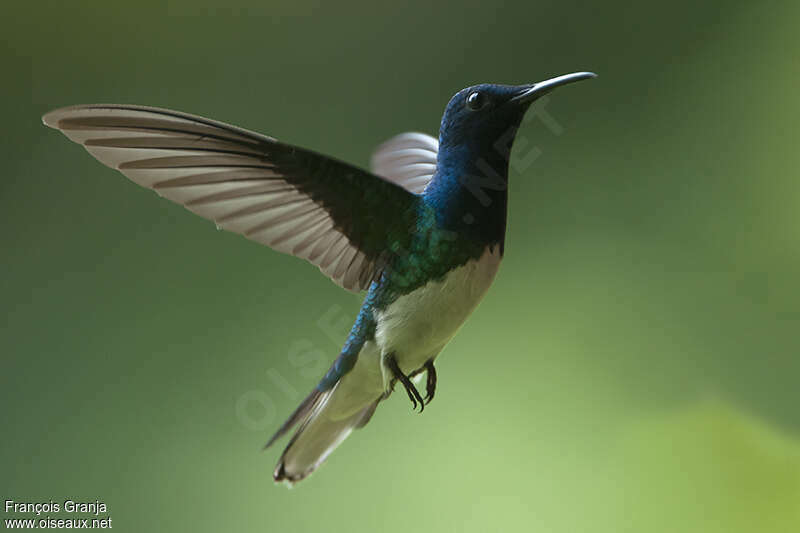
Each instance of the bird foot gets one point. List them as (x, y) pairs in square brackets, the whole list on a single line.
[(411, 390), (430, 382)]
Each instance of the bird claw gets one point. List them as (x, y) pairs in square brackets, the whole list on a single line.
[(430, 382), (413, 394), (411, 390)]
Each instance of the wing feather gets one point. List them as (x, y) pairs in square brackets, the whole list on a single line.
[(408, 159), (338, 217)]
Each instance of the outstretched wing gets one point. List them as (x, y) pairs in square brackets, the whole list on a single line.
[(408, 159), (339, 217)]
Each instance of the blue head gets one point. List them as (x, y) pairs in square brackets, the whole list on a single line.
[(477, 117), (475, 138)]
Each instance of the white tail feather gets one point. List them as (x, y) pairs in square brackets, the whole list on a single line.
[(318, 435)]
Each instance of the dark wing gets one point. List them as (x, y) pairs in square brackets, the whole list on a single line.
[(336, 216)]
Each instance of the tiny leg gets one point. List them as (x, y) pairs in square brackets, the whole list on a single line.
[(411, 390), (430, 383)]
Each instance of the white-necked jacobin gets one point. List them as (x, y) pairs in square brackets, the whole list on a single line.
[(422, 233)]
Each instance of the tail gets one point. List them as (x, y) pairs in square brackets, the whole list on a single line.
[(322, 429)]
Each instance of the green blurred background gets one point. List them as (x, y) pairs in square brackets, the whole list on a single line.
[(634, 368)]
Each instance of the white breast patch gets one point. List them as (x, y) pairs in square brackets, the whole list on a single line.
[(417, 325)]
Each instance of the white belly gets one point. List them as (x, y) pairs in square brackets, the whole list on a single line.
[(417, 325), (414, 328)]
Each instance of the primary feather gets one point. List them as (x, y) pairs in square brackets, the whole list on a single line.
[(336, 216)]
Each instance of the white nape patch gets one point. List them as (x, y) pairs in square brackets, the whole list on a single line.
[(417, 325)]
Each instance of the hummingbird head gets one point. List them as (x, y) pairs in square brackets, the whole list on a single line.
[(479, 117), (478, 129)]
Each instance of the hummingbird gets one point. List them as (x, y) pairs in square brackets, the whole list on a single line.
[(422, 233)]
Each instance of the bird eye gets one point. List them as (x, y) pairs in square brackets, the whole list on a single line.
[(476, 100)]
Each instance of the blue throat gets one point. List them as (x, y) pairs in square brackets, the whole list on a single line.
[(469, 192), (469, 195)]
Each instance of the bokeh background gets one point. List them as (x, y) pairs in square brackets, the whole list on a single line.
[(634, 368)]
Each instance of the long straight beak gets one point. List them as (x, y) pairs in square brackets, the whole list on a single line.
[(532, 92)]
